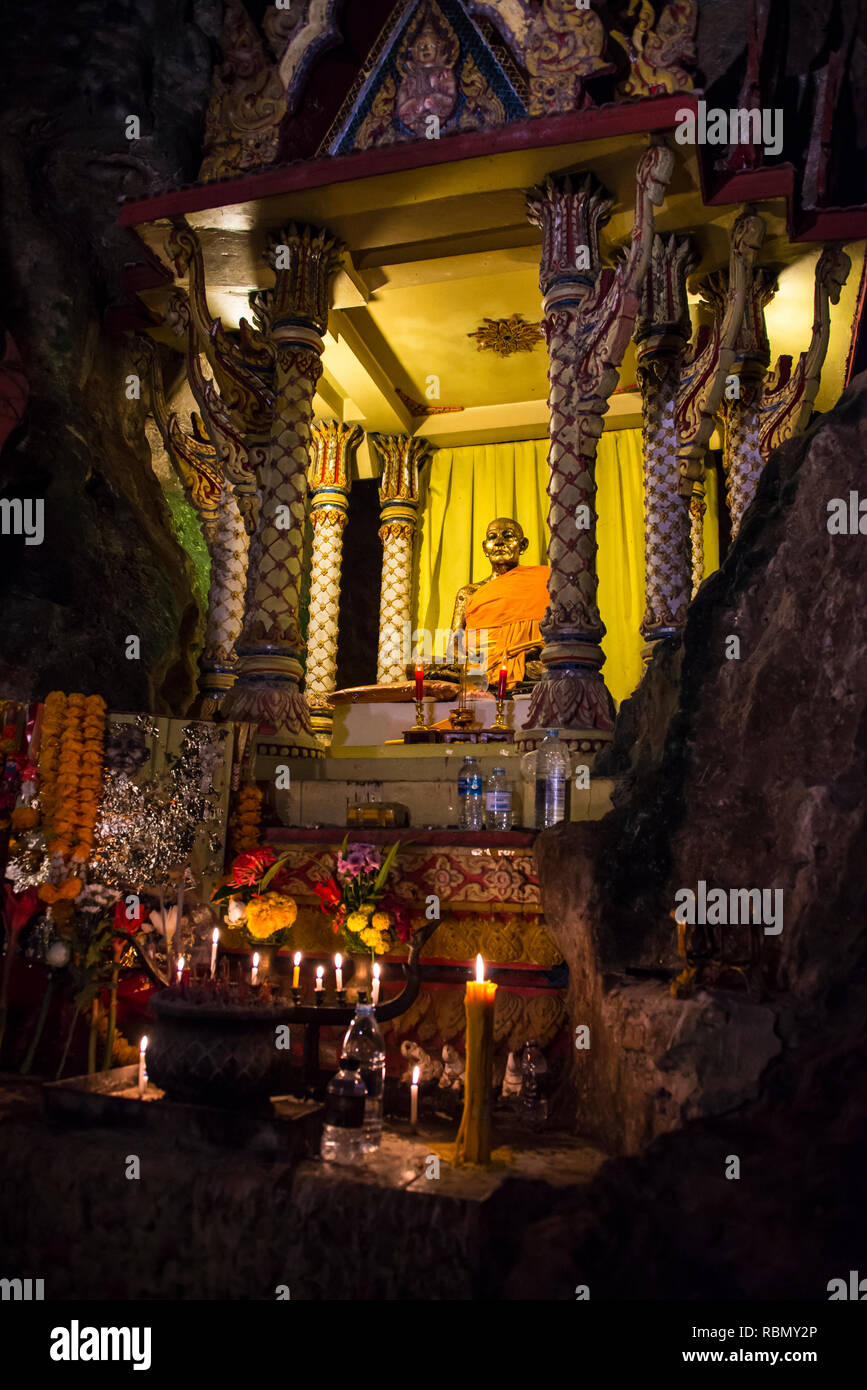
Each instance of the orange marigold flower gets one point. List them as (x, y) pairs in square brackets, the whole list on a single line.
[(47, 892), (25, 817), (70, 889)]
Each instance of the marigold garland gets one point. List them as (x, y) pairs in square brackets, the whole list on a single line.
[(70, 785), (245, 820)]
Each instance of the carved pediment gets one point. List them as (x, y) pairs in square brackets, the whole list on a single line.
[(433, 74)]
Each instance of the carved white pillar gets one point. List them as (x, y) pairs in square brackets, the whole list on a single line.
[(402, 455), (328, 485), (590, 314)]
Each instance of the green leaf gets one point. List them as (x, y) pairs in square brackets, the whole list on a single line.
[(386, 866), (274, 869)]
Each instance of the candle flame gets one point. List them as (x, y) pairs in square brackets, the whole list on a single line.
[(143, 1045), (320, 971), (338, 960), (416, 1071), (255, 959), (180, 965), (215, 935), (377, 969), (297, 958), (480, 970)]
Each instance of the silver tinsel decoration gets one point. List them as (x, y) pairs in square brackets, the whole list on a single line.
[(148, 827)]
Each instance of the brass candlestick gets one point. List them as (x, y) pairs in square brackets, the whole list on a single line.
[(499, 725), (419, 715)]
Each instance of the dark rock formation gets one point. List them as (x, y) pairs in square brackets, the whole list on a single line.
[(758, 781), (109, 565)]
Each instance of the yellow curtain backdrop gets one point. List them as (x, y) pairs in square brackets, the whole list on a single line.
[(463, 489)]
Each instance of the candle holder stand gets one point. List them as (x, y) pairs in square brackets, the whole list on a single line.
[(317, 1016), (421, 732), (499, 732)]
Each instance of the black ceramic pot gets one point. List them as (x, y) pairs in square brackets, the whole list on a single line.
[(223, 1055)]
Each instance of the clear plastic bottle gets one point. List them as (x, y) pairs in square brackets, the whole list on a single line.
[(534, 1085), (470, 795), (498, 801), (343, 1130), (552, 781), (364, 1042)]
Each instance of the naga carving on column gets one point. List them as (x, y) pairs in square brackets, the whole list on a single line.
[(267, 378), (402, 456), (788, 396), (196, 463), (707, 364), (590, 314), (661, 339), (742, 461)]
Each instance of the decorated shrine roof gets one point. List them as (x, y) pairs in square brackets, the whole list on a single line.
[(413, 130)]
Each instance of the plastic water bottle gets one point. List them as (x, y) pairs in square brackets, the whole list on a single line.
[(364, 1042), (343, 1130), (498, 801), (552, 781), (534, 1086), (470, 795)]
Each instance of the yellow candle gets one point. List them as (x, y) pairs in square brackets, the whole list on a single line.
[(474, 1136), (296, 973)]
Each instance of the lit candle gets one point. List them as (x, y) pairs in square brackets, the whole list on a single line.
[(254, 973), (142, 1074), (296, 973), (181, 885), (180, 968), (215, 937), (377, 971), (320, 983), (474, 1135), (338, 971), (501, 683), (413, 1101), (419, 682)]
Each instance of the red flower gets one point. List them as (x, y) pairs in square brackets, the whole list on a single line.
[(249, 867), (390, 902), (18, 908), (129, 925), (328, 893)]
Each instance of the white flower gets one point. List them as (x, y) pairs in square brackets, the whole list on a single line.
[(236, 911), (57, 954)]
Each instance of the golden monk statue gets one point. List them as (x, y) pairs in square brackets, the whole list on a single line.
[(509, 605)]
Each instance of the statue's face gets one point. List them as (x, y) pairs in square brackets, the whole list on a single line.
[(426, 49), (504, 543)]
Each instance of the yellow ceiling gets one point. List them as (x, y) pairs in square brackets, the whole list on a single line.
[(433, 251)]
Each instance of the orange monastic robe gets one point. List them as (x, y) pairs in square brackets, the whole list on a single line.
[(510, 608)]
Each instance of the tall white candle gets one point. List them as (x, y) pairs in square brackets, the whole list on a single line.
[(215, 937), (377, 971), (142, 1074), (413, 1101), (320, 983), (254, 974), (338, 971)]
